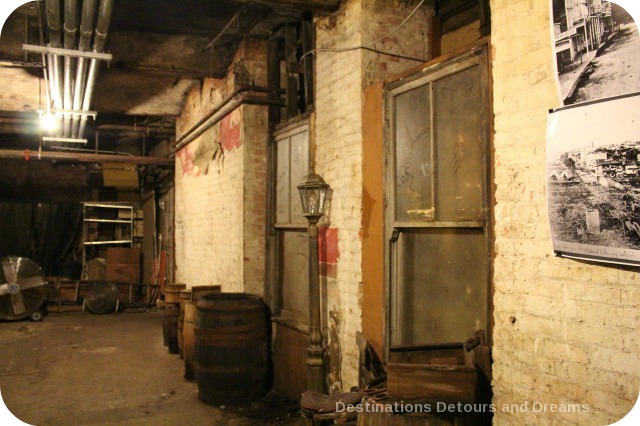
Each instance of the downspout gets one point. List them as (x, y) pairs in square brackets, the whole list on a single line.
[(102, 28), (86, 34), (70, 31)]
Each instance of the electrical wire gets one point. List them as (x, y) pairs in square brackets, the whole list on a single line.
[(372, 43)]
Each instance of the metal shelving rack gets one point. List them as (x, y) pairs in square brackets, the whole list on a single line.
[(91, 214)]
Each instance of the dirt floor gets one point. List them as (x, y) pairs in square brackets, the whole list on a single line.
[(79, 369)]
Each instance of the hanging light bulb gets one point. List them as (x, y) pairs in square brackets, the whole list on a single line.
[(49, 123)]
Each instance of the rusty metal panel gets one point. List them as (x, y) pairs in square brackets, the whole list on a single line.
[(458, 121), (445, 284), (294, 266), (299, 168), (282, 182), (414, 166)]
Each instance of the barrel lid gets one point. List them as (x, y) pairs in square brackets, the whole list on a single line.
[(230, 301), (175, 287)]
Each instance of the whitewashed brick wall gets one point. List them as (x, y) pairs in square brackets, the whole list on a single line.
[(340, 80), (220, 215), (575, 337)]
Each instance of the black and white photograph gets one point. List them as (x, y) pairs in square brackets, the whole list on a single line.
[(593, 179), (596, 49)]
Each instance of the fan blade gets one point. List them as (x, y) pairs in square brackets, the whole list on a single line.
[(31, 282), (18, 304), (9, 270), (4, 289)]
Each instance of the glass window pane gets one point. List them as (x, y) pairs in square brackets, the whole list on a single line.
[(282, 182), (460, 126), (294, 246), (299, 168), (444, 277), (414, 168)]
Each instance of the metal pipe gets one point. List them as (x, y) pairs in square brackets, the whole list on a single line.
[(54, 24), (70, 31), (102, 28), (19, 154), (89, 8), (228, 99), (136, 129), (222, 111)]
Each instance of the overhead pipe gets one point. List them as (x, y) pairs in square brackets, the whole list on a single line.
[(102, 31), (54, 26), (215, 116), (87, 22), (70, 32), (19, 154), (257, 89)]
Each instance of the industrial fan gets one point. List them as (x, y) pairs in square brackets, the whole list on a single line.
[(22, 289)]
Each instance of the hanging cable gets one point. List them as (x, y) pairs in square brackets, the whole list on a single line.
[(367, 46)]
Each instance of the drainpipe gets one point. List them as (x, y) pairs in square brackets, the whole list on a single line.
[(102, 28), (86, 33), (70, 31)]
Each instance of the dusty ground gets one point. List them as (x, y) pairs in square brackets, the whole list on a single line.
[(74, 369), (615, 72)]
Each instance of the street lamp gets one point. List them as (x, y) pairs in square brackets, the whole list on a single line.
[(313, 194)]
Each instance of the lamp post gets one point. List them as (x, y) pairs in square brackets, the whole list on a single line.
[(313, 194)]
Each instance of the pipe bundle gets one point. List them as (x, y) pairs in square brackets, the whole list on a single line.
[(73, 25)]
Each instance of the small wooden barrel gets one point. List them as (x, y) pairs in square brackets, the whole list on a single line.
[(189, 340), (232, 348), (202, 290), (170, 327), (172, 293)]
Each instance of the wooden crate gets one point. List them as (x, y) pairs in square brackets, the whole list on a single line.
[(123, 273), (123, 255), (431, 374)]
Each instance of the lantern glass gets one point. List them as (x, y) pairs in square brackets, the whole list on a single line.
[(313, 195)]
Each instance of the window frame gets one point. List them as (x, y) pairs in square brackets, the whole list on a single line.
[(394, 229)]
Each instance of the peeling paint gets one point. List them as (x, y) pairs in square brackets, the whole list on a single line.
[(230, 131), (333, 356)]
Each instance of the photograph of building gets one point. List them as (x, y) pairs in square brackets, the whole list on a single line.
[(596, 48)]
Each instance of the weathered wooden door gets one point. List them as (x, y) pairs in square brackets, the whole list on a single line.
[(288, 265)]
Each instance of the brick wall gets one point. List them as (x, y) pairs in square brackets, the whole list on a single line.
[(565, 331), (220, 204), (340, 80)]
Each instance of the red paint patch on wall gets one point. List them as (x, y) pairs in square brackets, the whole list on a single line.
[(185, 155), (328, 245), (230, 131)]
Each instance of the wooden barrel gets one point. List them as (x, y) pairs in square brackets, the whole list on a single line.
[(170, 325), (232, 348), (202, 290), (185, 296), (172, 293), (189, 340)]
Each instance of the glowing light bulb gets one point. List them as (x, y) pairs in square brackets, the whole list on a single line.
[(48, 123)]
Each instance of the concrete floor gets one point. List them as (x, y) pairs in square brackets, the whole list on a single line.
[(74, 369)]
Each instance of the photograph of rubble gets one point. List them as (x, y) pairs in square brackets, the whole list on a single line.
[(593, 180), (596, 48)]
